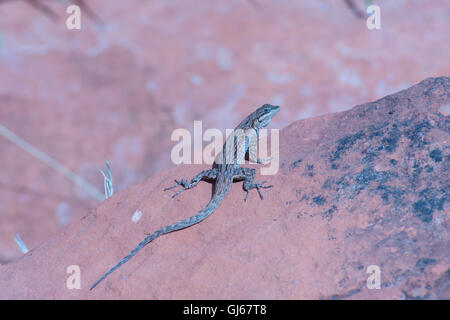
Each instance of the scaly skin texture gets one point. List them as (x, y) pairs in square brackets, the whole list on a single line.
[(225, 171)]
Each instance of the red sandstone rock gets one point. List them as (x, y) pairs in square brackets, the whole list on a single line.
[(363, 187)]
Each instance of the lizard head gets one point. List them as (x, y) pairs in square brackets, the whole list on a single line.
[(263, 115)]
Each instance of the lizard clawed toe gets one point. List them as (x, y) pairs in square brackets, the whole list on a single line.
[(168, 188), (257, 186), (183, 183)]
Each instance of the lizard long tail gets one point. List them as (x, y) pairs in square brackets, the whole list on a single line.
[(200, 216)]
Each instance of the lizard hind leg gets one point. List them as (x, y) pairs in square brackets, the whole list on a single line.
[(185, 184), (248, 175)]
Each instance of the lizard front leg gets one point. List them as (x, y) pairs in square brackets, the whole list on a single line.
[(204, 175), (248, 175), (252, 152)]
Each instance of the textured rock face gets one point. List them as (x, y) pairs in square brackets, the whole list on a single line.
[(378, 177), (365, 187)]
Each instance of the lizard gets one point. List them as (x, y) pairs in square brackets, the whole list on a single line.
[(226, 169)]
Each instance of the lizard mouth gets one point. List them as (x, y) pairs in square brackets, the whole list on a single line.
[(267, 117), (276, 109)]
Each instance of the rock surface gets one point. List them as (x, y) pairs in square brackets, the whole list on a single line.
[(369, 186)]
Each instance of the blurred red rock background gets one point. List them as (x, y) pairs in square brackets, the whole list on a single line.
[(117, 89)]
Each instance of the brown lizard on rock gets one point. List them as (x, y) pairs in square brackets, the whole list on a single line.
[(226, 169)]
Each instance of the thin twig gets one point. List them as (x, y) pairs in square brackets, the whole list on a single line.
[(79, 181)]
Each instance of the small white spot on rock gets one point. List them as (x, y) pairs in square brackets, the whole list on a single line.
[(136, 216), (64, 213), (445, 109), (196, 79)]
